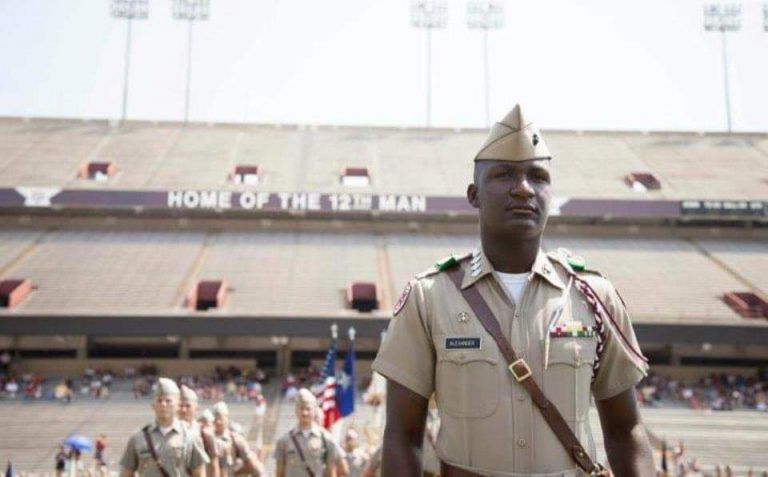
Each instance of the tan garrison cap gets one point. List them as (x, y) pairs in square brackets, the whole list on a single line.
[(187, 394), (220, 409), (166, 387), (514, 138), (305, 398), (206, 416)]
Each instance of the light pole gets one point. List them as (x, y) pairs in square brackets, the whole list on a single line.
[(723, 17), (485, 15), (190, 10), (130, 10), (429, 14), (765, 17)]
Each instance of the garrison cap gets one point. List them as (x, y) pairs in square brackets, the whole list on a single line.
[(514, 138), (166, 387), (220, 409), (187, 394), (206, 416), (305, 398)]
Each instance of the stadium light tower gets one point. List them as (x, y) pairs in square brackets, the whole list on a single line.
[(723, 17), (190, 11), (765, 17), (485, 15), (429, 14), (130, 10)]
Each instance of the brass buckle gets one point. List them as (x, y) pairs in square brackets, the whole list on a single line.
[(598, 470), (527, 374)]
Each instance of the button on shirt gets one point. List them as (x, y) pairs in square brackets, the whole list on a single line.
[(487, 422)]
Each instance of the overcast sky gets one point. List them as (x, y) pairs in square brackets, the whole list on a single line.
[(578, 64)]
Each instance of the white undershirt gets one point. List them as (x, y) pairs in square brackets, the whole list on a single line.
[(514, 283), (165, 430)]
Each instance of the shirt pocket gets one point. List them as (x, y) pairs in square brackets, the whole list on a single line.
[(568, 377), (466, 381)]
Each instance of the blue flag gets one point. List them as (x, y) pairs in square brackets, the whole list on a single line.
[(345, 384)]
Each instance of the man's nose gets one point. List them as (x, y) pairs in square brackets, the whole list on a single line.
[(521, 188)]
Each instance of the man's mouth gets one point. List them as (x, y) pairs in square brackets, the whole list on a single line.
[(525, 210)]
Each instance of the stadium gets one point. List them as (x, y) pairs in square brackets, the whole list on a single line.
[(210, 250)]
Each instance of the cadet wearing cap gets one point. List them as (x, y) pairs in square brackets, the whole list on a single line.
[(187, 412), (566, 336), (234, 453), (356, 458), (166, 448), (307, 450)]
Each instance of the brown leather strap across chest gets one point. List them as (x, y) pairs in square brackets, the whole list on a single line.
[(522, 374)]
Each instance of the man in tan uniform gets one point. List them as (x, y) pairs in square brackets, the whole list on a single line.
[(235, 456), (187, 412), (166, 448), (567, 324), (306, 450), (354, 455)]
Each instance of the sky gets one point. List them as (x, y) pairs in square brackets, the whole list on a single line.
[(573, 64)]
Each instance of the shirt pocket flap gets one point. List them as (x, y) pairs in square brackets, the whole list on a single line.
[(573, 352)]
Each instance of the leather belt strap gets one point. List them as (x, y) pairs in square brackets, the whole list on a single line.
[(151, 446), (522, 374), (301, 454)]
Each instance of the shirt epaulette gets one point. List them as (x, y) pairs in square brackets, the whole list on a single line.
[(443, 264), (571, 262)]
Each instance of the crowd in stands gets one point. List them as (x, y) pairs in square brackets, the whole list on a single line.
[(718, 392), (230, 383)]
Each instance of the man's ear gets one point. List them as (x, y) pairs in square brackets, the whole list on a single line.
[(472, 196)]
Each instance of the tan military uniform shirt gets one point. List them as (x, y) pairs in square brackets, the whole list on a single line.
[(318, 449), (488, 423), (206, 440), (357, 461), (230, 446), (179, 452)]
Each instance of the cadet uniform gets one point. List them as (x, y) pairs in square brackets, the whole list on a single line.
[(316, 448), (570, 326), (231, 446), (178, 450), (206, 439)]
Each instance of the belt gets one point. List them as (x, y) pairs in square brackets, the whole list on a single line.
[(448, 470)]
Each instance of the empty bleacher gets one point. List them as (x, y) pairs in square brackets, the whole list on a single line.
[(436, 162), (671, 280)]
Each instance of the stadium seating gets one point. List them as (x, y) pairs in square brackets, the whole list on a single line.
[(304, 158)]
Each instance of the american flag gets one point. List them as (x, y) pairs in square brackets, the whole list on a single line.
[(327, 396)]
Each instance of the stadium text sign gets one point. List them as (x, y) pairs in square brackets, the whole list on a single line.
[(340, 203), (298, 201)]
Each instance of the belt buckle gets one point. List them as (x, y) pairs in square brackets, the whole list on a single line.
[(598, 471), (525, 375)]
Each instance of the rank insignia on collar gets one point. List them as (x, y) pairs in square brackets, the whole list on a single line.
[(447, 263), (577, 263)]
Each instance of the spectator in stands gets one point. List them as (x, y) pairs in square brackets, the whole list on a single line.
[(12, 388), (5, 362), (100, 455), (60, 461)]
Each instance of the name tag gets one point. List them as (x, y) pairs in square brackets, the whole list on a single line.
[(462, 343)]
